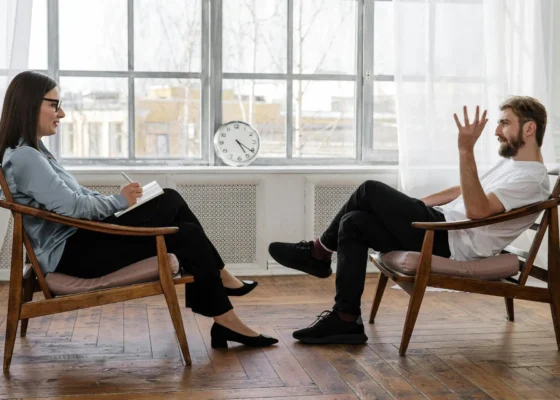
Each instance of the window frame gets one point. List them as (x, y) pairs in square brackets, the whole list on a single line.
[(211, 78)]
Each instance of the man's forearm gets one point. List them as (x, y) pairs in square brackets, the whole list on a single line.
[(476, 201), (443, 197)]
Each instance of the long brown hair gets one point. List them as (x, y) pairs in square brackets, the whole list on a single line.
[(20, 112)]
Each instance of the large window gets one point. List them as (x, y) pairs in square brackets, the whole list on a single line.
[(149, 81)]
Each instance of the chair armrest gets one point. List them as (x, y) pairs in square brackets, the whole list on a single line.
[(494, 219), (86, 224)]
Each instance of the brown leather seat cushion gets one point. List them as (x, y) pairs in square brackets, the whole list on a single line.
[(142, 271), (491, 268)]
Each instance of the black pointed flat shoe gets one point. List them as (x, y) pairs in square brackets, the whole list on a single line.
[(247, 287), (220, 335)]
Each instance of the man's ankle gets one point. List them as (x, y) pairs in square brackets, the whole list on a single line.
[(319, 252), (347, 317)]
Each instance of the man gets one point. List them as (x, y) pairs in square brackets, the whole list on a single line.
[(379, 217)]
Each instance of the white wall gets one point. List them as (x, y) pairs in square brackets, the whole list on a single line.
[(285, 198), (285, 201)]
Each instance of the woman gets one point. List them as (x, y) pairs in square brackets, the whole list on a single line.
[(31, 111)]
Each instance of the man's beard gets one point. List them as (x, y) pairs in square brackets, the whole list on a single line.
[(509, 149)]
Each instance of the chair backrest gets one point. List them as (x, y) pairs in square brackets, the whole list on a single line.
[(528, 266), (27, 243)]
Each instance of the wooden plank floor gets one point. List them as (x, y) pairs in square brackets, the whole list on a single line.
[(462, 348)]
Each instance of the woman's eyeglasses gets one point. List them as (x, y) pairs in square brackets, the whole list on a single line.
[(56, 103)]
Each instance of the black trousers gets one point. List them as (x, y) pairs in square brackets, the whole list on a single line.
[(379, 217), (91, 254)]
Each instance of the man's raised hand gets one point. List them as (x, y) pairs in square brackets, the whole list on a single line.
[(470, 132)]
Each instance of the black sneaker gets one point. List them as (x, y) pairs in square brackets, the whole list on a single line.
[(330, 329), (298, 256)]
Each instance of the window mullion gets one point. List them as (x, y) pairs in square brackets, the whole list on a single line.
[(290, 81), (53, 58), (216, 71), (131, 91), (205, 94), (368, 80), (359, 89)]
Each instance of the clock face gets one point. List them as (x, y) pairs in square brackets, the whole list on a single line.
[(237, 143)]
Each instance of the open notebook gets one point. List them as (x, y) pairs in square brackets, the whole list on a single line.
[(151, 190)]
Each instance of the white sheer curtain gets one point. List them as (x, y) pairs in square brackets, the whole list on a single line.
[(451, 53), (15, 33)]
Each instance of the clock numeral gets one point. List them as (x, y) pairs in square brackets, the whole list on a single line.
[(221, 142), (223, 134), (238, 158), (228, 129), (250, 134), (246, 155), (236, 126), (231, 156), (224, 150), (254, 141)]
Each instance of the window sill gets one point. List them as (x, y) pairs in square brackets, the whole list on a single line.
[(317, 170)]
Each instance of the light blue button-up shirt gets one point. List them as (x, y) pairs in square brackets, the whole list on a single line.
[(36, 179)]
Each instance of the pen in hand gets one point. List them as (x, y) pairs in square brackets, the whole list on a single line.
[(127, 177), (131, 192)]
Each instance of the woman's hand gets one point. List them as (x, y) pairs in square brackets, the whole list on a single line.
[(132, 192)]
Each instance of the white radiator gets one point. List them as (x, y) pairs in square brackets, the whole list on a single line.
[(228, 214)]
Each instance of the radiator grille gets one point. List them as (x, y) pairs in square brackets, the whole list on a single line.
[(105, 190), (328, 200), (6, 252), (228, 214)]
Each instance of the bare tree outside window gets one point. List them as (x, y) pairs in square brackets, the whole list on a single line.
[(324, 43), (173, 30), (324, 35), (267, 55), (254, 37)]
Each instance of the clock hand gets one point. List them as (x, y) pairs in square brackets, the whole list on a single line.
[(240, 145)]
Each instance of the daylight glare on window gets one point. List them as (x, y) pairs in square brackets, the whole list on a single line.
[(141, 81)]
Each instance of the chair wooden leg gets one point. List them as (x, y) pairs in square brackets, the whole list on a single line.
[(172, 303), (411, 315), (28, 289), (554, 271), (381, 284), (11, 325), (555, 310), (420, 283), (510, 309), (175, 312), (15, 293)]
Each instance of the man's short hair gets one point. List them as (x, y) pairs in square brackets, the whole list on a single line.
[(528, 109)]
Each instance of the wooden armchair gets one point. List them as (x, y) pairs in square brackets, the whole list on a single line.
[(510, 288), (27, 279)]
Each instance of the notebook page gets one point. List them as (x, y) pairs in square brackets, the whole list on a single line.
[(149, 191)]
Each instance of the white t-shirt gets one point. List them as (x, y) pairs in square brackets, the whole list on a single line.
[(515, 184)]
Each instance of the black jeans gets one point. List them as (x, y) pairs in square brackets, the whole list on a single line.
[(379, 217), (90, 254)]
